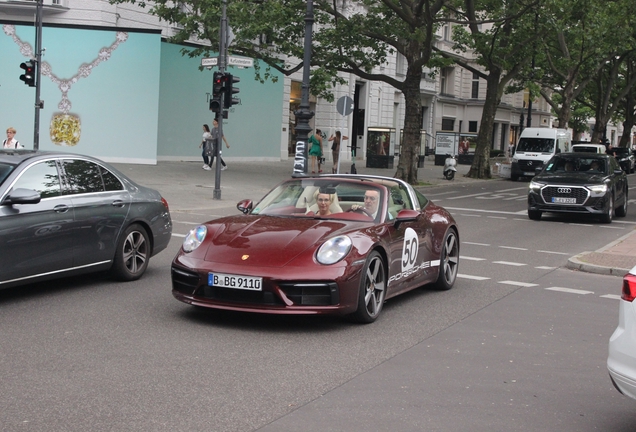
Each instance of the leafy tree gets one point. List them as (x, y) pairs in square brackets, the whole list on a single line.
[(500, 34), (581, 37), (349, 37)]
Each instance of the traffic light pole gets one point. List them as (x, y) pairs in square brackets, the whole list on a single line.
[(38, 69), (222, 64)]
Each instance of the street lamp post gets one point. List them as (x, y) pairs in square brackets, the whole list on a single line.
[(303, 114)]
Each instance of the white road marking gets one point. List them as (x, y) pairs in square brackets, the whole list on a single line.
[(464, 276), (186, 222), (611, 227), (178, 235), (521, 284), (509, 263), (556, 253), (470, 196), (611, 296), (496, 217), (469, 258), (545, 268), (515, 248), (482, 211), (569, 290), (469, 215), (478, 244)]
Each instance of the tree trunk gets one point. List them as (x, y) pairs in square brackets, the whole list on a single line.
[(481, 164), (409, 151)]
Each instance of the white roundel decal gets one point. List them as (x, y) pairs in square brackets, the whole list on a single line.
[(409, 249)]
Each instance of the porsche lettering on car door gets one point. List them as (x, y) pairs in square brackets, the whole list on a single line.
[(411, 257)]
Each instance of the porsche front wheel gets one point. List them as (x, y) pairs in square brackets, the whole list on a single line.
[(448, 261), (372, 289)]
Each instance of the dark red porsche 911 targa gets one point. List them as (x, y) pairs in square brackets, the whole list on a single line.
[(339, 244)]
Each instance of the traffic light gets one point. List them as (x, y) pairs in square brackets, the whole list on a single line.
[(217, 90), (29, 73), (229, 90)]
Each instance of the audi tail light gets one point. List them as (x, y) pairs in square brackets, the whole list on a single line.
[(629, 287)]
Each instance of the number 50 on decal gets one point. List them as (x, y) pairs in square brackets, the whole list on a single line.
[(409, 249)]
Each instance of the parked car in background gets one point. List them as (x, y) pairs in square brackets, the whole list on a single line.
[(589, 148), (587, 183), (63, 214), (621, 361), (625, 157), (337, 244)]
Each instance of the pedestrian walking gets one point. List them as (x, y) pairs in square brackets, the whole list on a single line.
[(335, 148), (315, 151), (207, 147), (216, 140), (11, 142)]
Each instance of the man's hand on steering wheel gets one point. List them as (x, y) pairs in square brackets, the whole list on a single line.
[(361, 209)]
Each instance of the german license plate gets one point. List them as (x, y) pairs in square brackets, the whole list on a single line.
[(235, 281), (562, 200)]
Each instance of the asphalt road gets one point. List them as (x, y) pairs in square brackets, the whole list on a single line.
[(518, 344)]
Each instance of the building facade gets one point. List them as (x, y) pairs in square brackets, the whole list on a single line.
[(452, 99)]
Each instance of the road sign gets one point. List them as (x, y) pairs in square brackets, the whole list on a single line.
[(240, 61), (209, 62), (344, 106)]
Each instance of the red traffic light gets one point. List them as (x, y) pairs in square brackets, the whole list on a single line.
[(29, 73)]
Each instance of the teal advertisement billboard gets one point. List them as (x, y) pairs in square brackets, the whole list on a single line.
[(100, 91), (126, 96)]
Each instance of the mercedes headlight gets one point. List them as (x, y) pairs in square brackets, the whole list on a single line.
[(333, 250), (194, 238)]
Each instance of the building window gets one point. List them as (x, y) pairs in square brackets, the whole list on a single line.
[(448, 124), (447, 32), (472, 126), (400, 65), (446, 81), (475, 88)]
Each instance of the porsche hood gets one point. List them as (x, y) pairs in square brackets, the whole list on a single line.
[(268, 241)]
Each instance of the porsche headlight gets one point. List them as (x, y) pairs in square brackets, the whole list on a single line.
[(194, 238), (535, 186), (598, 189), (333, 250)]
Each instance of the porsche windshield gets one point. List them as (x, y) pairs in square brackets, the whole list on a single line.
[(334, 199), (536, 145)]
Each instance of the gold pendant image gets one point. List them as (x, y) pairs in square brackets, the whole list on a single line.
[(65, 129)]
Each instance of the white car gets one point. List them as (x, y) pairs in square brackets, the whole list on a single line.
[(621, 362)]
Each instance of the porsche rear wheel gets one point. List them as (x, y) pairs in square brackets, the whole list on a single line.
[(448, 261), (372, 289)]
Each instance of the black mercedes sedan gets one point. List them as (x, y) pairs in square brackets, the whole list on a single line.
[(63, 214), (586, 183)]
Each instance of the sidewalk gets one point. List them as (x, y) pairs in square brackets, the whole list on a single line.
[(189, 189), (616, 258)]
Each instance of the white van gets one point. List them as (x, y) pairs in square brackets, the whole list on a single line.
[(535, 147)]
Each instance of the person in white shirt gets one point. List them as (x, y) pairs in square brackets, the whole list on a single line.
[(11, 142)]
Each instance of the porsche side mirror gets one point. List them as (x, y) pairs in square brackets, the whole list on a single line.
[(244, 206), (407, 215), (22, 196)]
